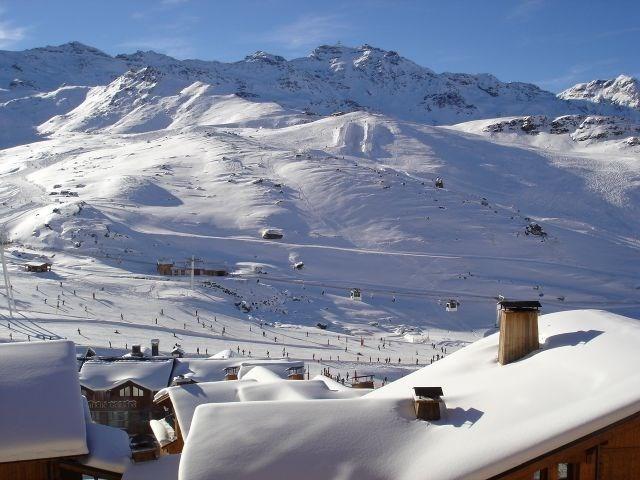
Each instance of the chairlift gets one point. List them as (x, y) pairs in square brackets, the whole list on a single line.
[(452, 305)]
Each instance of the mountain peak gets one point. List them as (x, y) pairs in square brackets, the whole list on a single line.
[(73, 47), (624, 91), (262, 56)]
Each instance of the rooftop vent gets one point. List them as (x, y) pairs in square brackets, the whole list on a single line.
[(136, 351), (518, 330), (181, 380), (427, 402)]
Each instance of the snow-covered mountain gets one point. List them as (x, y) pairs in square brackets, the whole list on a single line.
[(622, 90), (331, 79), (116, 162)]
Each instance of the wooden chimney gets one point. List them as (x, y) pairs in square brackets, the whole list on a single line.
[(427, 402), (518, 330)]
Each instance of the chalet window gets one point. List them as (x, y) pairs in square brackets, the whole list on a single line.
[(568, 471), (131, 392), (541, 475)]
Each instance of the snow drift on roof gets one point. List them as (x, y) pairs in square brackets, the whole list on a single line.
[(41, 414), (105, 375), (108, 448), (224, 354), (583, 379), (260, 384)]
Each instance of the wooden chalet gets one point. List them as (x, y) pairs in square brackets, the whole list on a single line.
[(46, 432), (38, 267), (120, 391)]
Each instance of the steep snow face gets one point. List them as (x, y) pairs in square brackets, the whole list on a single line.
[(622, 90), (20, 117), (147, 100)]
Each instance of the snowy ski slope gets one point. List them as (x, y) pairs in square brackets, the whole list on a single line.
[(146, 168)]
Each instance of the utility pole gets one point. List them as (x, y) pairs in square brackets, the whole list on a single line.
[(5, 273)]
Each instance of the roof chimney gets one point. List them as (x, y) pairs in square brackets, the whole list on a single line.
[(518, 330), (427, 402), (155, 347), (136, 351)]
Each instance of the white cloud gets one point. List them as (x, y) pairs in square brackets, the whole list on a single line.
[(10, 34), (308, 31)]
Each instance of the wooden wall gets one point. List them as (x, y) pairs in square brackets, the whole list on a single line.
[(612, 453)]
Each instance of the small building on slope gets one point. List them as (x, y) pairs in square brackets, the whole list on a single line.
[(566, 407), (45, 429)]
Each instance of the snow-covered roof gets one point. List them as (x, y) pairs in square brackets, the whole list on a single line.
[(260, 384), (496, 416), (277, 366), (185, 398), (203, 369), (105, 375), (37, 264), (224, 354), (109, 447), (212, 369), (41, 414), (293, 390)]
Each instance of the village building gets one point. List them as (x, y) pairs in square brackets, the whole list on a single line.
[(258, 383), (170, 268), (120, 391), (37, 267), (549, 398), (46, 430)]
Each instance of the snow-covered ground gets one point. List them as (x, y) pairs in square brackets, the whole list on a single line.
[(154, 164)]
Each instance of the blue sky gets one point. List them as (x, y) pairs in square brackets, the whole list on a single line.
[(553, 43)]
